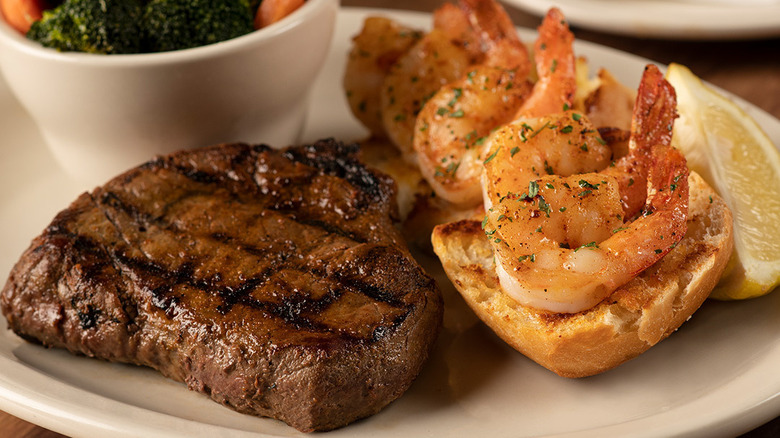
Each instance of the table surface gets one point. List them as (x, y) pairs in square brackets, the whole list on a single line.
[(749, 69)]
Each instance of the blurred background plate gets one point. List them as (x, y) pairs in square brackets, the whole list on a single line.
[(669, 19)]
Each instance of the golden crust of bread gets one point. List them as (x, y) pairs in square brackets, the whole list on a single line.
[(635, 317)]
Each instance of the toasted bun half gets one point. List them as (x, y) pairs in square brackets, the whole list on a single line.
[(635, 317)]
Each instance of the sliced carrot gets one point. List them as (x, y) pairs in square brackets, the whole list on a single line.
[(21, 14), (271, 11)]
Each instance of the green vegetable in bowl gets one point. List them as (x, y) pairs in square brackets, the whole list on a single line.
[(93, 26), (140, 26), (181, 24)]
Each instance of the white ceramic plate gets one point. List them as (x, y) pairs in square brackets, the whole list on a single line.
[(717, 376), (678, 19)]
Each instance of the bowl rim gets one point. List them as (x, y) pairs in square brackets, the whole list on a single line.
[(17, 41)]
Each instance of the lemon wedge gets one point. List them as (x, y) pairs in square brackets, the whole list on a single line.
[(731, 152)]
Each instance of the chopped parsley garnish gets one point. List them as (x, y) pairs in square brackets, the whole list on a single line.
[(587, 245), (448, 171), (533, 189), (457, 93), (544, 206), (585, 184), (493, 155), (538, 131)]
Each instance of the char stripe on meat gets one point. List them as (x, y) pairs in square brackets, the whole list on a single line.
[(273, 281)]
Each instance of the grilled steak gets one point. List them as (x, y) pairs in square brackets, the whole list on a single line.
[(273, 281)]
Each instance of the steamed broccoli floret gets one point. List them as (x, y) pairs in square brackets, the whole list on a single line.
[(181, 24), (94, 26)]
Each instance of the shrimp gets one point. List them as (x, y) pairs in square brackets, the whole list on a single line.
[(475, 32), (453, 125), (564, 243), (651, 124), (555, 66), (375, 49), (527, 149), (485, 31), (430, 64), (456, 120)]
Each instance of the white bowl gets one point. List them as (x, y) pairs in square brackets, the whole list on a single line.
[(101, 114)]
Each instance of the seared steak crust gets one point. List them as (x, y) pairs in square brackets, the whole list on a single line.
[(273, 281)]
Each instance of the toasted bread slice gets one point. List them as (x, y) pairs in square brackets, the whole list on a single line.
[(635, 317)]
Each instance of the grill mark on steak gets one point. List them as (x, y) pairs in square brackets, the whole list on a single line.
[(343, 166), (112, 200), (327, 228), (89, 317), (372, 291), (199, 175), (273, 281), (164, 299), (339, 167), (291, 309), (103, 258)]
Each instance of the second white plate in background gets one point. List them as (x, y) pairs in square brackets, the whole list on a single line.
[(669, 19)]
